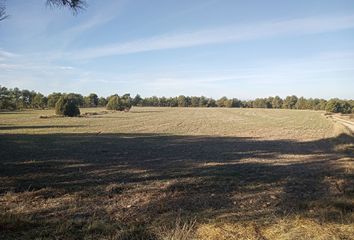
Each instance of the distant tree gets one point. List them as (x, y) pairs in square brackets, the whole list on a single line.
[(6, 99), (78, 98), (322, 104), (260, 103), (301, 103), (290, 102), (151, 101), (229, 103), (163, 102), (39, 101), (126, 101), (91, 100), (345, 107), (277, 102), (221, 102), (333, 105), (173, 102), (236, 103), (102, 102), (195, 101), (26, 98), (246, 104), (336, 105), (113, 103), (67, 106), (137, 100), (182, 101), (313, 103), (351, 102), (119, 103), (52, 99), (269, 102), (211, 103), (86, 102), (203, 101), (17, 98)]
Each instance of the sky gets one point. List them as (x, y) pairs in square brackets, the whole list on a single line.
[(214, 48)]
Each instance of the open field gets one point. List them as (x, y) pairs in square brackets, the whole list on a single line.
[(176, 173)]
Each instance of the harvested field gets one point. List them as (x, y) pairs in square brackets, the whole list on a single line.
[(176, 173)]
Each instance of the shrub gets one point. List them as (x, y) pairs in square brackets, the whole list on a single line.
[(119, 103), (338, 106), (66, 106), (113, 103)]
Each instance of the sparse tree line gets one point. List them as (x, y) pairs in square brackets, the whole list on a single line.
[(15, 99)]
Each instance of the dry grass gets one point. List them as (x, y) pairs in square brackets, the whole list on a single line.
[(297, 227), (257, 123), (165, 173)]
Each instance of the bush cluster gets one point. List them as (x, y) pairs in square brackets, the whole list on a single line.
[(66, 106), (117, 103)]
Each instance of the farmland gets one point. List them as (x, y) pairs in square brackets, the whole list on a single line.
[(176, 173)]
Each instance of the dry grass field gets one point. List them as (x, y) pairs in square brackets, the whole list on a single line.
[(174, 173)]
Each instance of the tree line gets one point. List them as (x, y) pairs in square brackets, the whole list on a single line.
[(16, 99)]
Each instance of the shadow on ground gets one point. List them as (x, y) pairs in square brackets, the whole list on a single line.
[(150, 179), (37, 127)]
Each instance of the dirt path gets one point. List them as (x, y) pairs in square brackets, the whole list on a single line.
[(346, 123)]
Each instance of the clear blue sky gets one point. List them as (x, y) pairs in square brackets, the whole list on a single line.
[(242, 49)]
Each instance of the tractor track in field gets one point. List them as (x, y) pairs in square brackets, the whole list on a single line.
[(348, 124)]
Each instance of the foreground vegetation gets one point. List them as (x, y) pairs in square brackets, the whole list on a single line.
[(14, 99), (175, 173)]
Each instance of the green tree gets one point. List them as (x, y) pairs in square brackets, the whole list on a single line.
[(277, 102), (195, 101), (39, 101), (52, 99), (203, 101), (221, 102), (236, 103), (6, 99), (113, 103), (334, 105), (211, 103), (126, 102), (322, 104), (163, 102), (119, 103), (91, 100), (260, 103), (137, 100), (102, 102), (78, 98), (345, 107), (182, 101), (301, 103), (67, 106), (290, 102)]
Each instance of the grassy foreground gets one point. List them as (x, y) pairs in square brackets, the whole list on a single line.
[(174, 173)]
